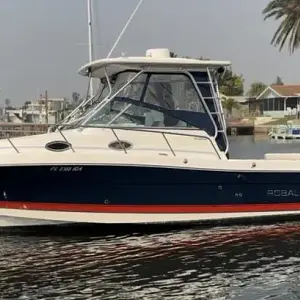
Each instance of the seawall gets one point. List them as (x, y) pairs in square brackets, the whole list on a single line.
[(247, 129)]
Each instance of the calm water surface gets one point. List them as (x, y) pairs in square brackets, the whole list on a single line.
[(241, 262)]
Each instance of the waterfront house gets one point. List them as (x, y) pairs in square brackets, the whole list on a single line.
[(277, 101)]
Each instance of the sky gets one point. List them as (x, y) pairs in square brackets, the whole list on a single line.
[(43, 43)]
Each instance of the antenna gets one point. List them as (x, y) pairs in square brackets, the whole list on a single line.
[(91, 45), (91, 51), (125, 27)]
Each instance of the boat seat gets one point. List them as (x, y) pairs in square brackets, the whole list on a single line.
[(284, 156), (154, 118)]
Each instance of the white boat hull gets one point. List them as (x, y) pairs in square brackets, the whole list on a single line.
[(148, 184), (15, 217)]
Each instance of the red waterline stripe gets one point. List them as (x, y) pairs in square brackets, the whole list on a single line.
[(107, 208)]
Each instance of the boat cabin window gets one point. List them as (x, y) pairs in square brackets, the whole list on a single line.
[(89, 107), (174, 92), (150, 100)]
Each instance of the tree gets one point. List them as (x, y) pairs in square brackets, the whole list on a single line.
[(75, 97), (256, 88), (288, 32), (7, 102), (229, 104), (278, 81), (231, 84)]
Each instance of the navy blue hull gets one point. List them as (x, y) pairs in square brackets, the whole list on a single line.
[(148, 186)]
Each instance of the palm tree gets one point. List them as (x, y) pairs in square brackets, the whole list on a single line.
[(288, 31), (229, 104), (278, 81)]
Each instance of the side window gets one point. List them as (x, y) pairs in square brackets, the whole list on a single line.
[(173, 91), (132, 90)]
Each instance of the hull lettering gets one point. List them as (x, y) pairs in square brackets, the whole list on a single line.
[(283, 193), (66, 169)]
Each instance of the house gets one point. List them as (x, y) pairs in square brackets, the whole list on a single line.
[(277, 101), (39, 112)]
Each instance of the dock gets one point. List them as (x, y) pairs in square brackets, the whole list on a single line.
[(285, 132), (240, 129), (247, 129), (23, 129)]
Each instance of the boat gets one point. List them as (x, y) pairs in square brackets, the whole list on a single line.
[(14, 116), (289, 131), (150, 147)]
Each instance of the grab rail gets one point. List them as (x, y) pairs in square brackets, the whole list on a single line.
[(113, 130), (163, 133), (12, 144)]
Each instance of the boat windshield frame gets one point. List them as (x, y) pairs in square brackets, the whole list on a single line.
[(83, 120), (77, 114)]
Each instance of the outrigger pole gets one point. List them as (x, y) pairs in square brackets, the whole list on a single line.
[(91, 90), (125, 27), (91, 50)]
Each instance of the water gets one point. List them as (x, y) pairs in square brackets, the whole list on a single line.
[(257, 146), (241, 262)]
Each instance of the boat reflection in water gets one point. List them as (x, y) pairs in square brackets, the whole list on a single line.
[(220, 263)]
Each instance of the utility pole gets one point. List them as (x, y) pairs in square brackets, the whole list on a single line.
[(46, 106), (2, 111)]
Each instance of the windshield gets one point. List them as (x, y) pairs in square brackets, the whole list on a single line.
[(149, 100), (84, 109)]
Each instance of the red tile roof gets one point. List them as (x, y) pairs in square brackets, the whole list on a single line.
[(287, 90)]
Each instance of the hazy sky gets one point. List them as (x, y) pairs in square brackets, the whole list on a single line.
[(42, 40)]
